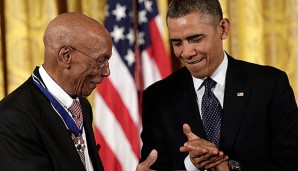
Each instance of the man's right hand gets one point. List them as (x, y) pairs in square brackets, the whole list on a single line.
[(145, 165), (203, 154)]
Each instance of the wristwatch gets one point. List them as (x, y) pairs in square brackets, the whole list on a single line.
[(234, 165)]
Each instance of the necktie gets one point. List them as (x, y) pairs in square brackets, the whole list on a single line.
[(211, 112), (77, 115)]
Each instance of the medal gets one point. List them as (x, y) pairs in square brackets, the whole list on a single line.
[(79, 144)]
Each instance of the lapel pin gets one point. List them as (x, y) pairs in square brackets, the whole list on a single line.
[(240, 94)]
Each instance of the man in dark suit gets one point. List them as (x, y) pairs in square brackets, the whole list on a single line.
[(256, 107), (46, 123)]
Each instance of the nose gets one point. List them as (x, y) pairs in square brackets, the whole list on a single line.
[(105, 71), (188, 51)]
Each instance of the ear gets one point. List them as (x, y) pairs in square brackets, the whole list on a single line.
[(64, 56), (225, 28)]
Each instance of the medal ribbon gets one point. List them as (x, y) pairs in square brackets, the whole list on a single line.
[(68, 120)]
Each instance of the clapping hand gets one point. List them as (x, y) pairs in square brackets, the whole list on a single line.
[(203, 154)]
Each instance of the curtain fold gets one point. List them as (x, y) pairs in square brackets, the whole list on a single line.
[(92, 8), (264, 32), (25, 23), (2, 57), (2, 72)]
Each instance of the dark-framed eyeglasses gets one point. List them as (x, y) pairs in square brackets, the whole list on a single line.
[(100, 63)]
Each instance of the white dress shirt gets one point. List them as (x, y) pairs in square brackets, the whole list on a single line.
[(65, 100), (220, 77)]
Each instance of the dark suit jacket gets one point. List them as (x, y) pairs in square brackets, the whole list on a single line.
[(34, 137), (259, 129)]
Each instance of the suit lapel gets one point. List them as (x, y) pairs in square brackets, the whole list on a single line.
[(57, 127), (235, 101), (186, 105), (92, 148)]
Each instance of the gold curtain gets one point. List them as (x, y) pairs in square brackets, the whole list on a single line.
[(2, 91), (263, 32), (92, 8), (25, 22)]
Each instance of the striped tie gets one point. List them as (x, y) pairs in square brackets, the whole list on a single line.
[(77, 115)]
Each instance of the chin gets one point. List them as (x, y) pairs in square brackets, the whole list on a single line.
[(198, 74), (86, 94)]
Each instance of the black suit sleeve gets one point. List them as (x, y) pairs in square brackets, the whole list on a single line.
[(20, 147), (152, 135), (284, 123)]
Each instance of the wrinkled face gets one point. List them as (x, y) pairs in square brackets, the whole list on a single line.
[(197, 43), (90, 66)]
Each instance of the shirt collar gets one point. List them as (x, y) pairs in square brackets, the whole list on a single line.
[(219, 75), (55, 89)]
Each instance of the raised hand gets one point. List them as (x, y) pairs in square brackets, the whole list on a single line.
[(203, 154), (145, 165)]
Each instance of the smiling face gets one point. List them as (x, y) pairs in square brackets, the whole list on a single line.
[(197, 42), (77, 49), (87, 69)]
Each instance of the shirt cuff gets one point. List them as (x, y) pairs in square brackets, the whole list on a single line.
[(188, 165)]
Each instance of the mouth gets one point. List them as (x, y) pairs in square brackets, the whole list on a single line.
[(195, 62)]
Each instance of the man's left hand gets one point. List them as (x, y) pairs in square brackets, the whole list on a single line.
[(145, 165)]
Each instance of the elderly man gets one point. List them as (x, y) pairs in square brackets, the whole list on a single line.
[(46, 123), (217, 112)]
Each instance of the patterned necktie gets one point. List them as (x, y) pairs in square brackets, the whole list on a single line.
[(211, 112), (77, 115)]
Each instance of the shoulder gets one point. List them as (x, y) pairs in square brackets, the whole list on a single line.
[(173, 82), (170, 87), (254, 70), (169, 90), (20, 96), (17, 110)]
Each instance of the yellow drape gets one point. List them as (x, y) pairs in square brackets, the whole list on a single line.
[(2, 92), (92, 8), (162, 8), (263, 32), (25, 22)]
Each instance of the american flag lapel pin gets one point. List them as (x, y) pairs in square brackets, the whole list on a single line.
[(240, 94)]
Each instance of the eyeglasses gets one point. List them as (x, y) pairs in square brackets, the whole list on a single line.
[(100, 63)]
